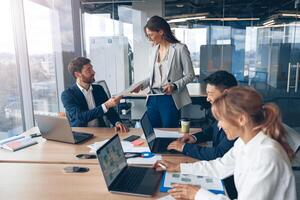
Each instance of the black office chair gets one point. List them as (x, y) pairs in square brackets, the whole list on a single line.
[(106, 89)]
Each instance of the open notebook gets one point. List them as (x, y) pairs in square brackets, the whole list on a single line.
[(211, 184), (18, 143)]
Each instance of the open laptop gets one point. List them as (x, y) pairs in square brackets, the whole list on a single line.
[(156, 145), (58, 129), (121, 178)]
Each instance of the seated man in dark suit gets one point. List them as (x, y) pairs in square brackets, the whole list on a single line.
[(86, 103), (217, 83)]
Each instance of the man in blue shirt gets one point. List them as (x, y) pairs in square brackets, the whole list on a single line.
[(217, 83)]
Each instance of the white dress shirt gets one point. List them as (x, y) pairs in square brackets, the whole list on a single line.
[(88, 94), (261, 169)]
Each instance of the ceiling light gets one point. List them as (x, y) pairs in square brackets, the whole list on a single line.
[(186, 16), (269, 25), (179, 5), (226, 19), (185, 19), (204, 18), (108, 1), (270, 22), (290, 15)]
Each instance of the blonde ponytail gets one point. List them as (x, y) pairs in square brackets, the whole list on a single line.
[(273, 127), (265, 117)]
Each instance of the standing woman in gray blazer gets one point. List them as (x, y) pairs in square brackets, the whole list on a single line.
[(172, 70)]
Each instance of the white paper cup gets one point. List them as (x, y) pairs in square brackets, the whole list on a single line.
[(185, 126)]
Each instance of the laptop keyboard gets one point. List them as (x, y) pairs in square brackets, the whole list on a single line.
[(131, 179), (79, 136), (161, 145)]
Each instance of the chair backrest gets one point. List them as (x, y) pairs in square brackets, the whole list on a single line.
[(105, 87)]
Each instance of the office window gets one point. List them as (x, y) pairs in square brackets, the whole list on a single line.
[(194, 39), (293, 32), (220, 35), (41, 56), (10, 103), (250, 51)]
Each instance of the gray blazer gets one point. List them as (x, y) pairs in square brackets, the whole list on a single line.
[(181, 72)]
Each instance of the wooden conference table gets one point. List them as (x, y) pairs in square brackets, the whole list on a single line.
[(25, 181), (47, 151), (36, 172)]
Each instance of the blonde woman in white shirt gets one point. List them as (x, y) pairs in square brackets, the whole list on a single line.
[(260, 158)]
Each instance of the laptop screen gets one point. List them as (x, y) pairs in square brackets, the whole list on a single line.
[(112, 160), (55, 128), (148, 130)]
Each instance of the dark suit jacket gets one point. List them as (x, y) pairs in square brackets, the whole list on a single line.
[(77, 109), (220, 144)]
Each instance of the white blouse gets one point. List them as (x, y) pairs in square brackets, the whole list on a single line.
[(261, 169), (161, 71)]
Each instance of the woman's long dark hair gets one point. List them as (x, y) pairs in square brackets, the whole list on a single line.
[(157, 23)]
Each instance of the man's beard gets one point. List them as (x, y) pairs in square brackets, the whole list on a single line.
[(88, 80)]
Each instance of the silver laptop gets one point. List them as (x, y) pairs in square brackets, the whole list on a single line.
[(58, 129), (121, 178)]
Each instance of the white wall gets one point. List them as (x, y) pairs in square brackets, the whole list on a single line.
[(141, 45)]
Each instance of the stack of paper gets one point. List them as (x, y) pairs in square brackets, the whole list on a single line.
[(168, 197), (128, 90), (144, 161), (167, 134), (17, 142), (11, 139)]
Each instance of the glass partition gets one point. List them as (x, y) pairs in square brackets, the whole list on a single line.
[(257, 41), (10, 95), (194, 39)]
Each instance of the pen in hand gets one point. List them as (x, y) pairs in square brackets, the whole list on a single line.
[(162, 166)]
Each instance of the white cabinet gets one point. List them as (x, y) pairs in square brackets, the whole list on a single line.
[(109, 56)]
